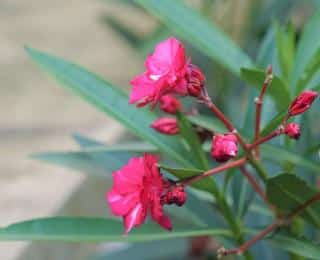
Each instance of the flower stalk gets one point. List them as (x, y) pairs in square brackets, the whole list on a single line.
[(272, 227), (259, 103)]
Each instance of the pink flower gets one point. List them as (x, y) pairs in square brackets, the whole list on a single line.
[(302, 102), (196, 80), (170, 104), (166, 125), (165, 74), (224, 147), (137, 190), (292, 130)]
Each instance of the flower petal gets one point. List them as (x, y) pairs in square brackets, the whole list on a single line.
[(135, 217), (120, 205)]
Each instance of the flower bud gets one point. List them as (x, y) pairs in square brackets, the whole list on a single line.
[(176, 195), (166, 125), (224, 147), (195, 79), (170, 104), (302, 102), (292, 130)]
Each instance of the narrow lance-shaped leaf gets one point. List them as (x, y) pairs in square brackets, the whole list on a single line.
[(192, 139), (206, 184), (83, 229), (277, 89), (110, 100), (201, 33), (308, 46), (287, 192)]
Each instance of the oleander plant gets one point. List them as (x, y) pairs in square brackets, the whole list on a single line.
[(206, 178)]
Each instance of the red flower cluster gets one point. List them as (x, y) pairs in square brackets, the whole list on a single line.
[(139, 188), (293, 130), (302, 102), (224, 147), (168, 71)]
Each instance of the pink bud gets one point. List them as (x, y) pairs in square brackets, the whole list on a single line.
[(224, 147), (195, 79), (176, 195), (170, 104), (166, 125), (292, 130), (302, 102)]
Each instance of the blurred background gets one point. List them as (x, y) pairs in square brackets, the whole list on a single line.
[(110, 38)]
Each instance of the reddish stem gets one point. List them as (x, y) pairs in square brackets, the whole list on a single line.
[(256, 186), (265, 139), (259, 103), (220, 115), (213, 171), (276, 224)]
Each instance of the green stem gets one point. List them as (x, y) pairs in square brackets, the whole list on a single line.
[(259, 168)]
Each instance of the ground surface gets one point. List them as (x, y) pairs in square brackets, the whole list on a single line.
[(36, 115)]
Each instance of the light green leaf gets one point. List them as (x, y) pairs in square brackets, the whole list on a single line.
[(274, 123), (285, 39), (206, 184), (299, 246), (208, 123), (281, 155), (201, 33), (81, 229), (287, 192), (192, 139), (308, 46), (110, 100), (278, 90), (95, 161)]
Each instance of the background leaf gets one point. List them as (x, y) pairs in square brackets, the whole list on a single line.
[(202, 34), (287, 192), (94, 230), (110, 100), (277, 90), (192, 139)]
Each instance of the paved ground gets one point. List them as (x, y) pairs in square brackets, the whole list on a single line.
[(36, 115)]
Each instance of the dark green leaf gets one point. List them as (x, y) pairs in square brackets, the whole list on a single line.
[(277, 90), (110, 100), (192, 139), (83, 229), (205, 36), (287, 192)]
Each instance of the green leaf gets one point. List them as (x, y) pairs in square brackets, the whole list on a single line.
[(278, 90), (287, 192), (81, 229), (274, 123), (286, 48), (110, 100), (208, 123), (311, 70), (86, 142), (206, 184), (201, 33), (192, 139), (97, 162), (299, 246), (281, 155), (174, 249), (308, 46)]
